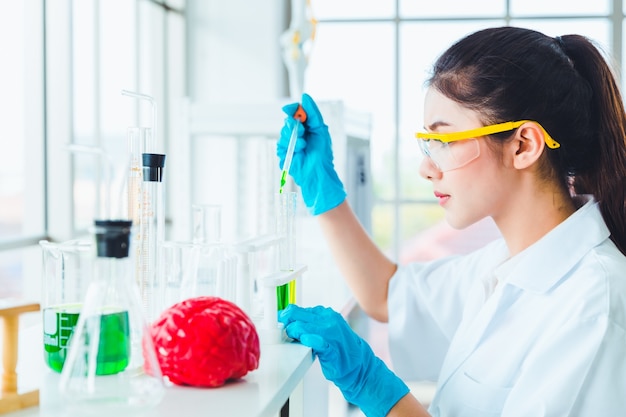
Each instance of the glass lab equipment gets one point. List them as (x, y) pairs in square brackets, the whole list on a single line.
[(256, 257), (140, 141), (152, 231), (216, 267), (134, 174), (286, 230), (207, 223), (270, 330), (67, 268), (177, 269), (204, 266), (111, 364)]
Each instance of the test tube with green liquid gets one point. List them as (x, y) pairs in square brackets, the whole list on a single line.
[(286, 294), (286, 229)]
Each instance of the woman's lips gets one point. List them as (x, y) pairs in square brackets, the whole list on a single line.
[(443, 198)]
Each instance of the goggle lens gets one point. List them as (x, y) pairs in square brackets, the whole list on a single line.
[(450, 156)]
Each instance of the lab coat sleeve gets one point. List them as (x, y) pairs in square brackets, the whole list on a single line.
[(418, 340), (586, 380), (426, 303)]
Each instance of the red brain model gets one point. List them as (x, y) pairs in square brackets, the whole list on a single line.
[(204, 342)]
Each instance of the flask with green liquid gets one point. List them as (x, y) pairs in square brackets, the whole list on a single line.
[(111, 363)]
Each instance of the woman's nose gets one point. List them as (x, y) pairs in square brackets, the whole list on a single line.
[(428, 170)]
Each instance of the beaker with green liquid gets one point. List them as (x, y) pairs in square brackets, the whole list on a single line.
[(111, 362), (66, 268)]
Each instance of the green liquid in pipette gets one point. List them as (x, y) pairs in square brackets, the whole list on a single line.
[(283, 180), (113, 348)]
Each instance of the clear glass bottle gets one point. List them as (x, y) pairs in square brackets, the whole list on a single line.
[(111, 364)]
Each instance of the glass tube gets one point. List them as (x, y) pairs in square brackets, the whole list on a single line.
[(134, 183), (148, 141), (178, 271), (207, 223), (286, 229), (152, 232), (134, 174)]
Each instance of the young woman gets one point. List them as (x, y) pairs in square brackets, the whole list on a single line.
[(528, 130)]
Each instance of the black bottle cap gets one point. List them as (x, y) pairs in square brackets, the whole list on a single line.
[(113, 238), (153, 166)]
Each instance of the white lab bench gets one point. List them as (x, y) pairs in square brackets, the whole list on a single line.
[(263, 392)]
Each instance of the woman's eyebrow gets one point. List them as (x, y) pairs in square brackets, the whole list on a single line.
[(435, 125)]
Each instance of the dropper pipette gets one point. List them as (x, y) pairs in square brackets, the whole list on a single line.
[(300, 116)]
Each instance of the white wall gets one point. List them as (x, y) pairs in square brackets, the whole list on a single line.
[(234, 51)]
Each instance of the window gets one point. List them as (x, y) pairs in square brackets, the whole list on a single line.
[(22, 218), (66, 64)]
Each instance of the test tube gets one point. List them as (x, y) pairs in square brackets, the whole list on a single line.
[(270, 330), (286, 229), (152, 232), (207, 223), (178, 271)]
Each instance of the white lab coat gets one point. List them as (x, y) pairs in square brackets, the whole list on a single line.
[(540, 334)]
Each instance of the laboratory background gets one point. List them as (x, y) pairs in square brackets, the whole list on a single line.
[(208, 78)]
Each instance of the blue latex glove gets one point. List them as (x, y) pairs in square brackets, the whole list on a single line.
[(346, 359), (312, 164)]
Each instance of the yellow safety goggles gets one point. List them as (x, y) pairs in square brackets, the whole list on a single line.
[(438, 146)]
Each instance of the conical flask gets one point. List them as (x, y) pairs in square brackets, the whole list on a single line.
[(111, 366)]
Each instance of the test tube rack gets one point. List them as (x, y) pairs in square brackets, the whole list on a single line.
[(10, 399), (246, 251), (269, 329)]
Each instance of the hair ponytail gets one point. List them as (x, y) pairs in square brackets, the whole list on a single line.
[(605, 177)]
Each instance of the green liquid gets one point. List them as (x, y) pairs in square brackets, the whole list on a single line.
[(113, 347), (285, 295), (283, 180)]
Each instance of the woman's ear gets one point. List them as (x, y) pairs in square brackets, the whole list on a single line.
[(528, 145)]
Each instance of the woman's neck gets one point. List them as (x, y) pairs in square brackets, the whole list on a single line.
[(531, 217)]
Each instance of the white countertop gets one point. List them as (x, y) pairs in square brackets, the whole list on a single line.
[(261, 393)]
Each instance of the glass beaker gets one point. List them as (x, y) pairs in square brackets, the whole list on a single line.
[(189, 270), (178, 269), (66, 275), (111, 362)]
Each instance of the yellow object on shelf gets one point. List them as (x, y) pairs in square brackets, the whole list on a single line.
[(10, 399)]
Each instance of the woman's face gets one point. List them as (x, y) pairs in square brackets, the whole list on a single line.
[(477, 189)]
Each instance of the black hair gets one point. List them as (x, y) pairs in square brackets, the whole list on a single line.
[(563, 83)]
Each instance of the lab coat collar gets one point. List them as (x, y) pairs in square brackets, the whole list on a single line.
[(540, 267)]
